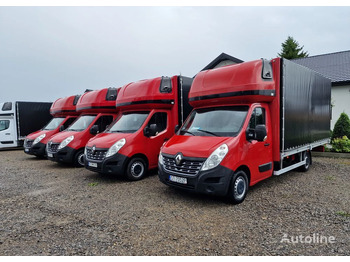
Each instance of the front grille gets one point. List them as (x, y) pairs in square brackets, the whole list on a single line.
[(28, 143), (187, 167), (52, 147), (97, 154)]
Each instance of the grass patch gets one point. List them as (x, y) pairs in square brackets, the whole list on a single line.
[(93, 184), (330, 178), (344, 214)]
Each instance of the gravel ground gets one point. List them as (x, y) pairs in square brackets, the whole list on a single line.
[(52, 209)]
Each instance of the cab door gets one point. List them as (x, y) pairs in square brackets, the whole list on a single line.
[(155, 140), (7, 132), (259, 152)]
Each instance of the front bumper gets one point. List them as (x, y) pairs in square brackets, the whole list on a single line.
[(213, 182), (115, 164), (64, 155), (38, 149)]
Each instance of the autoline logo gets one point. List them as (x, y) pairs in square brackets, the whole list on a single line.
[(315, 238)]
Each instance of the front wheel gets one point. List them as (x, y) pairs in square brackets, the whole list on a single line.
[(79, 159), (239, 187), (136, 169)]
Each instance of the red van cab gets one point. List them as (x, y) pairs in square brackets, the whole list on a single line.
[(249, 121), (97, 110), (64, 113), (150, 111)]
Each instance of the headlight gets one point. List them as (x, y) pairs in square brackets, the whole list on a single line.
[(215, 158), (85, 151), (65, 142), (115, 148), (38, 139), (160, 159)]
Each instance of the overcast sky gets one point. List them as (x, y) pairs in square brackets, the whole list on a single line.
[(52, 52)]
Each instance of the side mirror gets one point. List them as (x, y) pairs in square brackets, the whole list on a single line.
[(150, 131), (61, 128), (260, 132), (94, 130), (177, 127)]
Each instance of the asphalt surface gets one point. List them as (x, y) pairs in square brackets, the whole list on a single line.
[(52, 209)]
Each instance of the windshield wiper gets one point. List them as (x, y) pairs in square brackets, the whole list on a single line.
[(188, 132), (208, 132)]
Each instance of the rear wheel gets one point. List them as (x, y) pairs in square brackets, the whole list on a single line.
[(136, 169), (79, 158), (239, 187), (307, 158)]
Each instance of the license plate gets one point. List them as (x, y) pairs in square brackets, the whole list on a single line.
[(180, 180), (49, 155), (26, 150), (92, 164)]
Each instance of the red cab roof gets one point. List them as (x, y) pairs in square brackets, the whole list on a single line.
[(65, 106), (158, 92), (98, 101), (244, 82)]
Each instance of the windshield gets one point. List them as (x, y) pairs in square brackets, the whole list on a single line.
[(217, 121), (54, 123), (81, 123), (128, 122)]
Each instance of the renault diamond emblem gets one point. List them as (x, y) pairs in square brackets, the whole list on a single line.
[(178, 159), (93, 149)]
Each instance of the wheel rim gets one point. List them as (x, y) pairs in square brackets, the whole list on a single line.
[(81, 159), (240, 187), (137, 169)]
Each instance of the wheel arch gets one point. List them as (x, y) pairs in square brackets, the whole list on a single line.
[(246, 170)]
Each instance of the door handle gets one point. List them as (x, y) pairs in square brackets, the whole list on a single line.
[(7, 134), (267, 144)]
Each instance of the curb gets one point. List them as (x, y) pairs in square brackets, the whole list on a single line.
[(330, 154)]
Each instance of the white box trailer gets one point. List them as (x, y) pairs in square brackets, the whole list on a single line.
[(18, 119)]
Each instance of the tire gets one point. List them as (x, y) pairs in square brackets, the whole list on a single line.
[(79, 158), (306, 167), (136, 169), (238, 187)]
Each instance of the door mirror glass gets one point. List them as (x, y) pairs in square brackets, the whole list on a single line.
[(260, 132), (62, 128)]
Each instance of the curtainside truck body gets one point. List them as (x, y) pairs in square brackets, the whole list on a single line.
[(150, 111), (64, 113), (18, 119), (96, 111), (250, 121)]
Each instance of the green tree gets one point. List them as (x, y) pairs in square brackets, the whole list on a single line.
[(291, 49), (341, 127)]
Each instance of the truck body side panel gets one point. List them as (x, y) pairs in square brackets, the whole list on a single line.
[(31, 116), (305, 115)]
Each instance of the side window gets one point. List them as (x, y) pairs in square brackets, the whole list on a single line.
[(103, 122), (257, 118), (160, 119), (4, 124), (68, 122)]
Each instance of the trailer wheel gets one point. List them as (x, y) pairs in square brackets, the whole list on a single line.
[(239, 187), (306, 167), (79, 158), (136, 169)]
